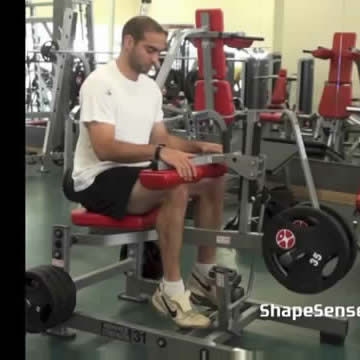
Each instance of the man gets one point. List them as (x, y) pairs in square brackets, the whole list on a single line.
[(121, 129)]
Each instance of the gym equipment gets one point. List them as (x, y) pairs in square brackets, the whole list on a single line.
[(333, 114), (64, 21), (305, 87), (47, 50), (235, 308), (276, 200), (300, 247), (152, 266), (350, 232), (50, 298)]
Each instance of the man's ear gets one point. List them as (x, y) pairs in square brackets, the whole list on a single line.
[(128, 42)]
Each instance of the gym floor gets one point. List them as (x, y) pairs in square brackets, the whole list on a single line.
[(46, 206)]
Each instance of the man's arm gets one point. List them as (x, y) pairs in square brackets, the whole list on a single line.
[(160, 135), (107, 148)]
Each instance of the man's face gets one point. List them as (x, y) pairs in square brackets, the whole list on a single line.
[(145, 53)]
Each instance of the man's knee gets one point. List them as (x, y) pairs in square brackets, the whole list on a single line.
[(215, 186), (179, 194)]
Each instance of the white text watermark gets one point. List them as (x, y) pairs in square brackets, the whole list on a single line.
[(318, 310)]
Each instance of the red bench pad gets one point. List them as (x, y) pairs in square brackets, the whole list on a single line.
[(82, 217), (161, 179), (164, 179), (271, 117)]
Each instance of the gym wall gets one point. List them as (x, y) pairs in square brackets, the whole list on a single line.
[(308, 24), (288, 26), (241, 15)]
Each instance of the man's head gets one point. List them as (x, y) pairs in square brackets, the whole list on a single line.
[(142, 41)]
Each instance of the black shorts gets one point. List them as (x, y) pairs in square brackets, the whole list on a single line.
[(109, 193)]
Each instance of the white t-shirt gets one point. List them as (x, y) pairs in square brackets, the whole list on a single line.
[(131, 106)]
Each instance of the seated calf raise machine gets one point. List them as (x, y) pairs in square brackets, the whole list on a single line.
[(296, 246)]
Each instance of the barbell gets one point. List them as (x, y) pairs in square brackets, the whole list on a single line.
[(50, 49)]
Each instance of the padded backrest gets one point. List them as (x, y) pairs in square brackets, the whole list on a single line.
[(341, 63), (334, 101), (280, 89), (218, 60), (223, 101)]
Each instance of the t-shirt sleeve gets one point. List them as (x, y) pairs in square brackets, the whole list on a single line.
[(96, 103), (159, 114)]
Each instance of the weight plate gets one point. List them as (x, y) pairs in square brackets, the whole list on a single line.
[(46, 51), (347, 228), (50, 298), (67, 293), (305, 249), (40, 300)]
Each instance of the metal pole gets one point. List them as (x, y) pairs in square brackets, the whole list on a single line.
[(112, 27)]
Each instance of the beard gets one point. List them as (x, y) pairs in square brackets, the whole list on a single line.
[(136, 65)]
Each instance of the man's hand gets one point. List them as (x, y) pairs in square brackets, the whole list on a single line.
[(180, 160), (207, 147)]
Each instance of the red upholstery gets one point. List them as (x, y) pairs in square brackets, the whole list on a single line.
[(357, 203), (355, 56), (82, 217), (334, 101), (223, 101), (340, 56), (280, 91), (164, 179), (278, 98), (152, 180), (37, 122), (271, 117), (341, 64), (216, 18), (218, 59), (323, 53), (238, 43)]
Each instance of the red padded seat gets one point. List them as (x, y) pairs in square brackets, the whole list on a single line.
[(82, 217), (151, 179), (271, 117)]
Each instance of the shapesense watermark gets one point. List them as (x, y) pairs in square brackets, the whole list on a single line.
[(318, 310)]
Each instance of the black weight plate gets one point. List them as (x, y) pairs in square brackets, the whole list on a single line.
[(39, 291), (53, 283), (299, 256), (347, 228), (66, 290), (46, 49)]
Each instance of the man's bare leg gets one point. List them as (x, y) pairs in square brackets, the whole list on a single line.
[(169, 222), (170, 227), (209, 211), (209, 215), (170, 298)]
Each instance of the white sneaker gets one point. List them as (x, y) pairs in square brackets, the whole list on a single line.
[(179, 309), (203, 289)]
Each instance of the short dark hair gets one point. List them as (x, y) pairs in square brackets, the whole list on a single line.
[(139, 25)]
